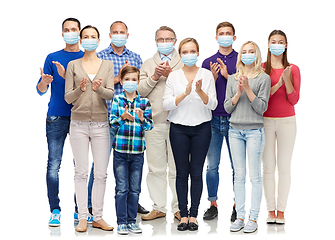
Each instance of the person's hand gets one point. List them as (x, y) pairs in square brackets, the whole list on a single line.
[(46, 78), (244, 82), (166, 69), (188, 88), (158, 71), (96, 84), (60, 69), (198, 85), (223, 69), (139, 113), (215, 68), (126, 115), (83, 84), (286, 75)]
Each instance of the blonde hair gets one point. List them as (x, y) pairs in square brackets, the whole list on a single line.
[(240, 65), (187, 40)]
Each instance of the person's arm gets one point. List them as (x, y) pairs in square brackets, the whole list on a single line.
[(146, 83), (72, 92), (106, 92), (145, 116), (260, 102), (294, 95), (232, 98), (46, 77)]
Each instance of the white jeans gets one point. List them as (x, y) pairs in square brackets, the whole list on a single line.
[(279, 143), (159, 158), (81, 133)]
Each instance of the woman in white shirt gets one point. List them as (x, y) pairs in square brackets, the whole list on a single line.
[(189, 97)]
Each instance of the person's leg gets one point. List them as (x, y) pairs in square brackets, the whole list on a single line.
[(238, 151), (255, 141), (200, 140), (135, 179), (181, 145), (100, 151), (57, 129)]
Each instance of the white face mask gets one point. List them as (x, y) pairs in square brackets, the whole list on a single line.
[(71, 37)]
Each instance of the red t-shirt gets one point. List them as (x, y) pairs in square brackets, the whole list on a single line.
[(280, 103)]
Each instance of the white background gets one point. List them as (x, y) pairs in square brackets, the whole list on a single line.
[(32, 29)]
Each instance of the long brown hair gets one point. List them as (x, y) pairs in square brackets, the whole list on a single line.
[(285, 63)]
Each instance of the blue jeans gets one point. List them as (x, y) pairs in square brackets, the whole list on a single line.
[(251, 142), (128, 176), (57, 128), (189, 146), (220, 129)]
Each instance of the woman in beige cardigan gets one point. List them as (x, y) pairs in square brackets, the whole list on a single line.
[(89, 83)]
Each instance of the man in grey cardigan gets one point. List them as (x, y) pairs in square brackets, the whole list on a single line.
[(153, 75)]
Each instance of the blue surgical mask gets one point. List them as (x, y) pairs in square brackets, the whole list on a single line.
[(165, 47), (130, 86), (277, 49), (71, 37), (90, 44), (189, 59), (225, 41), (248, 59), (119, 40)]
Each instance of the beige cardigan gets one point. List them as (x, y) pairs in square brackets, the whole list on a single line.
[(89, 105), (154, 90)]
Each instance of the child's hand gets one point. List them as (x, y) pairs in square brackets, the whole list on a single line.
[(139, 113), (126, 115)]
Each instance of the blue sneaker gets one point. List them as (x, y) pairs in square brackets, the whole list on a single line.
[(55, 218), (122, 229), (134, 228), (89, 218)]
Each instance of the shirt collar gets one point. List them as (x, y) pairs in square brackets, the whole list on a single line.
[(230, 55), (111, 50), (138, 98)]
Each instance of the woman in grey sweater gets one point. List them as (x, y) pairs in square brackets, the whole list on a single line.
[(246, 100)]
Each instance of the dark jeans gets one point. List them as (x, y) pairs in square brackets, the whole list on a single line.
[(128, 176), (189, 146), (57, 128)]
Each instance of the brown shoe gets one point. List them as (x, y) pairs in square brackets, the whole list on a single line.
[(153, 215), (177, 215), (82, 225), (102, 225)]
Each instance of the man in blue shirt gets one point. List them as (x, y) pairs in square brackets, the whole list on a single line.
[(59, 112), (121, 57)]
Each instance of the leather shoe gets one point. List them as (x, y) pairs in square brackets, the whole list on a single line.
[(82, 225), (141, 209), (153, 215), (192, 226), (182, 227), (177, 215), (102, 225)]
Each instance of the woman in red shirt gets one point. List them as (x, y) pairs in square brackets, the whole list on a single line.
[(280, 125)]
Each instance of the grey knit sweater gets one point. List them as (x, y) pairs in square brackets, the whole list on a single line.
[(246, 115)]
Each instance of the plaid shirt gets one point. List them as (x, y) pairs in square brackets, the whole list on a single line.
[(118, 61), (129, 137)]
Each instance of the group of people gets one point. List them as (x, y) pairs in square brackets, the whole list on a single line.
[(179, 114)]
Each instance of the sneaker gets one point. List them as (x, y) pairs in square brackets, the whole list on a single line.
[(134, 228), (237, 225), (250, 227), (211, 213), (122, 229), (89, 218), (54, 220)]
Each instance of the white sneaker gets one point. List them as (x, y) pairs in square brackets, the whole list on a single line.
[(250, 227), (237, 225)]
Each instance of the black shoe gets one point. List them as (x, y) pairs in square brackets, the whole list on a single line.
[(141, 210), (211, 213), (192, 226), (233, 215), (182, 227)]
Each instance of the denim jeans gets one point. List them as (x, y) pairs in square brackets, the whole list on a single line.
[(57, 128), (189, 146), (128, 176), (249, 142), (220, 129)]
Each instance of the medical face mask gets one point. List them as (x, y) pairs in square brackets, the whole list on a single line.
[(225, 41), (165, 47), (130, 86), (277, 49), (119, 40), (90, 44), (248, 59), (189, 59), (71, 37)]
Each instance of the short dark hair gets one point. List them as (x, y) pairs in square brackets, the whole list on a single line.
[(130, 69), (110, 28), (87, 27), (225, 24), (72, 20)]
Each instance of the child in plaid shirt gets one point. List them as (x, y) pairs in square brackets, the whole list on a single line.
[(131, 115)]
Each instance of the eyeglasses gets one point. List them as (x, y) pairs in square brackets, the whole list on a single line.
[(161, 40)]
